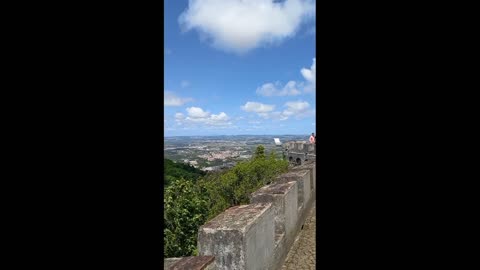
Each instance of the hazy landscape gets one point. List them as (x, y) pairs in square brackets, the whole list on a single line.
[(212, 153)]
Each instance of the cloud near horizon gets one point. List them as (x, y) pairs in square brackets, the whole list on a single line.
[(196, 115), (170, 99), (242, 25)]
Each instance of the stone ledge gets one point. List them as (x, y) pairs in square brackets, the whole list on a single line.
[(194, 263), (258, 236), (300, 176), (242, 237), (167, 262), (239, 218), (311, 166)]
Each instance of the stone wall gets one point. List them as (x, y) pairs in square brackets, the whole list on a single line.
[(299, 152), (259, 235)]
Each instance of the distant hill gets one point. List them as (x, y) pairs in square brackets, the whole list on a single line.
[(177, 170)]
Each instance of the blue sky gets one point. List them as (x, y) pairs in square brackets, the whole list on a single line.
[(239, 67)]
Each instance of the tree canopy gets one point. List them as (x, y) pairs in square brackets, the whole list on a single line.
[(189, 204), (176, 170)]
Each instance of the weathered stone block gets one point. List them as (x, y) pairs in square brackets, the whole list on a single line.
[(311, 167), (302, 177), (242, 237), (299, 146), (167, 262), (284, 199), (194, 263)]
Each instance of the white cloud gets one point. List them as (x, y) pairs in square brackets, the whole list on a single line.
[(184, 84), (197, 116), (219, 117), (297, 106), (257, 107), (179, 116), (270, 89), (310, 74), (196, 112), (298, 109), (171, 99), (292, 87), (241, 25), (278, 116)]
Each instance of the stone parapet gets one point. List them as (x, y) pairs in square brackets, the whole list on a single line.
[(302, 177), (242, 237), (309, 165), (168, 262), (298, 152), (194, 263), (260, 234), (284, 198)]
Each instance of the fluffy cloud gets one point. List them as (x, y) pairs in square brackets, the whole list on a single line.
[(241, 25), (275, 116), (220, 117), (179, 116), (197, 116), (297, 109), (292, 87), (196, 112), (170, 99), (310, 76), (270, 89), (257, 107)]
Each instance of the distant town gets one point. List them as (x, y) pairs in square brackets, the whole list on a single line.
[(213, 153)]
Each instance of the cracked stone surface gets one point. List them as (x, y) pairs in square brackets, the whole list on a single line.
[(302, 253)]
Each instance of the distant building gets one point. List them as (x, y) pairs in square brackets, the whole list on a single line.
[(297, 152)]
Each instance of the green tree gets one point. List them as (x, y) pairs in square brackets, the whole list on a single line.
[(260, 152), (188, 204), (273, 155), (177, 170), (185, 211)]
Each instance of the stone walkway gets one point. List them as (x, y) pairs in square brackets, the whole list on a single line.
[(302, 253)]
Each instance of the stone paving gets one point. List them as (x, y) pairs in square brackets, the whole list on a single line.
[(302, 253)]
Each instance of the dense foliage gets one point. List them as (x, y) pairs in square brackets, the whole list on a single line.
[(189, 204), (184, 214), (174, 170)]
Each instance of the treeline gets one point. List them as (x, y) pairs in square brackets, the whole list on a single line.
[(173, 171), (189, 204)]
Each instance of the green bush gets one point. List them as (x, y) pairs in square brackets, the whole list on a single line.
[(177, 170), (185, 212), (189, 204)]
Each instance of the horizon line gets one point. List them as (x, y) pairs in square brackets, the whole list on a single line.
[(238, 135)]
